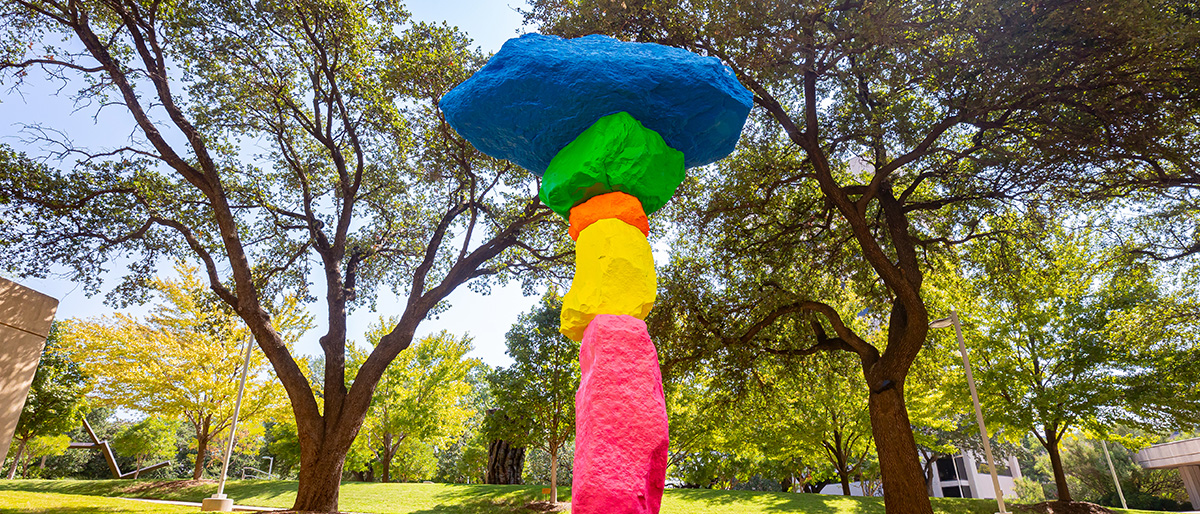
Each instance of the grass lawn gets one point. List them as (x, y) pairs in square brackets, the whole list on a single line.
[(79, 496), (14, 502)]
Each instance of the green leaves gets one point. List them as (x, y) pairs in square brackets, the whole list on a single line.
[(55, 403), (1069, 333), (536, 394), (149, 438)]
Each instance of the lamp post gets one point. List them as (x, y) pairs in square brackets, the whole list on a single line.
[(219, 502), (987, 445), (1113, 470)]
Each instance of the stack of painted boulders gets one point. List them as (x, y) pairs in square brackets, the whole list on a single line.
[(610, 126)]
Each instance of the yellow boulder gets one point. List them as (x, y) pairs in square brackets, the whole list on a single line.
[(614, 274)]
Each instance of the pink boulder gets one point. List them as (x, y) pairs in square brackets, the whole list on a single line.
[(620, 421)]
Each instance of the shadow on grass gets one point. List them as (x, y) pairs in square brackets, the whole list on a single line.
[(85, 487), (499, 499), (60, 510), (180, 490)]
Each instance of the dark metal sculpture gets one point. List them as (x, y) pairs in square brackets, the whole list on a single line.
[(108, 455)]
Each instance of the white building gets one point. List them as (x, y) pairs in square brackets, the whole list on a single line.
[(964, 476), (960, 476)]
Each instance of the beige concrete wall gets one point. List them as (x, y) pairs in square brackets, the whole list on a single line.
[(1191, 482), (25, 317)]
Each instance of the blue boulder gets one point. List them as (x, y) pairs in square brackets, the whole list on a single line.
[(539, 92)]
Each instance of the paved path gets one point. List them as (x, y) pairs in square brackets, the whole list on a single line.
[(243, 508)]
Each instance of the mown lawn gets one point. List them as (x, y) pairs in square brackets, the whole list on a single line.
[(22, 502), (79, 496)]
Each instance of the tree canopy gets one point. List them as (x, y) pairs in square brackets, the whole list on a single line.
[(184, 359), (1070, 334), (285, 148), (535, 395), (882, 130), (149, 438), (420, 404)]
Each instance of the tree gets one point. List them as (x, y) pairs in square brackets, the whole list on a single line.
[(185, 359), (837, 427), (421, 401), (45, 446), (56, 397), (946, 107), (1076, 336), (283, 443), (275, 144), (466, 459), (150, 438), (538, 388)]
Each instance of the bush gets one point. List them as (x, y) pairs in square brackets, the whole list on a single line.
[(1029, 491)]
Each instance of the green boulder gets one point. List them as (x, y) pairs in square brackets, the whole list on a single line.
[(616, 153)]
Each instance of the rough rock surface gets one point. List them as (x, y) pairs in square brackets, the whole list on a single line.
[(538, 93), (621, 421), (615, 154), (611, 205), (614, 274)]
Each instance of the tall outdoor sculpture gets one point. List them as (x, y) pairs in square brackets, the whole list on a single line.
[(610, 127)]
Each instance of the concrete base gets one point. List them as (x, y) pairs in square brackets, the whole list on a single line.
[(216, 505)]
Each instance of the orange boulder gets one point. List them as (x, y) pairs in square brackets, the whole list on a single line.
[(622, 206)]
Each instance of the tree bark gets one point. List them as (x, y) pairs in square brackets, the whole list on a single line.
[(903, 487), (554, 475), (505, 462), (320, 478), (388, 452), (1060, 476), (201, 452), (12, 473), (839, 457)]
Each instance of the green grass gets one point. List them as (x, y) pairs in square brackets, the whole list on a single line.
[(21, 502), (41, 495)]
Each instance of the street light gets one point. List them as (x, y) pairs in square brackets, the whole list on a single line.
[(1114, 475), (219, 502), (987, 445)]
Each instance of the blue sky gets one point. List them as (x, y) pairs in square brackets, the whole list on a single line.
[(486, 318)]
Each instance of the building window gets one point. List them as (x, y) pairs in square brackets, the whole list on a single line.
[(945, 469)]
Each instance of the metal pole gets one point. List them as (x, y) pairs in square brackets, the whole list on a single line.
[(987, 445), (237, 408), (270, 467), (1114, 474)]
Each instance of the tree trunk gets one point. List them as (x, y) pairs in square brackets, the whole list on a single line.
[(320, 477), (42, 465), (12, 473), (839, 457), (903, 481), (138, 471), (505, 462), (387, 458), (201, 454), (1060, 476), (554, 475)]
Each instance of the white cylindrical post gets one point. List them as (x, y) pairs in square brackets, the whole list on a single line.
[(237, 409), (1114, 474), (987, 445)]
